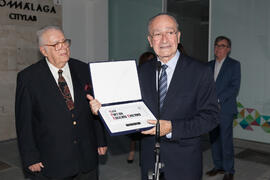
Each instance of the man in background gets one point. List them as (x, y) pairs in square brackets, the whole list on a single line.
[(58, 137), (227, 75)]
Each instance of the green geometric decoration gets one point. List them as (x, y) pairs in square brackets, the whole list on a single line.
[(266, 118), (239, 105), (257, 114), (235, 123), (244, 124), (258, 120), (248, 117), (266, 127)]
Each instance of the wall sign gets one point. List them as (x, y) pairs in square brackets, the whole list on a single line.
[(27, 11)]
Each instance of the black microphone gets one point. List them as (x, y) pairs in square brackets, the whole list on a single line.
[(157, 136), (158, 165), (158, 66)]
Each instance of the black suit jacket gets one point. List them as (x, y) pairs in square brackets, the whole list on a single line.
[(191, 105), (45, 128), (228, 84)]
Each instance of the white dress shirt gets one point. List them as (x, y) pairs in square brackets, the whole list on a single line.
[(218, 65), (66, 74)]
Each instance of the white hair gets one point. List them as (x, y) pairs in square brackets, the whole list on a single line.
[(41, 32)]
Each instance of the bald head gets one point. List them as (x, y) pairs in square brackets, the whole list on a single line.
[(157, 16)]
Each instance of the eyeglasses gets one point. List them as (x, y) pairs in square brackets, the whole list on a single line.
[(222, 46), (169, 34), (57, 46)]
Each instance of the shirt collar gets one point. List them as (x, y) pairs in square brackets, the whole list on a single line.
[(221, 62), (172, 63), (55, 69)]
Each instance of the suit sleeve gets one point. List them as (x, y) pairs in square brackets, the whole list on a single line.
[(233, 87), (24, 126), (100, 134), (99, 128), (205, 117)]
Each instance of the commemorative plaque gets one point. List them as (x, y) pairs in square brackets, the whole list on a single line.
[(116, 86)]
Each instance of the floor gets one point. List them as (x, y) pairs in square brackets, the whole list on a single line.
[(252, 161)]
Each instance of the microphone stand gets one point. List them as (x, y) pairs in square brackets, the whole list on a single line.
[(158, 164)]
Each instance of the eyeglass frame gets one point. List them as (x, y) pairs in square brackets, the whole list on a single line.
[(68, 41), (222, 46), (168, 34)]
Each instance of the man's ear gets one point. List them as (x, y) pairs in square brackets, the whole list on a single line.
[(149, 40), (178, 36), (43, 51)]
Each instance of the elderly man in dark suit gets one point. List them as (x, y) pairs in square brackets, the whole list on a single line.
[(58, 137), (188, 99), (227, 74), (188, 106)]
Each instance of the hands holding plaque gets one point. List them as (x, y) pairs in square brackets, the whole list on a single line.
[(94, 104), (165, 125)]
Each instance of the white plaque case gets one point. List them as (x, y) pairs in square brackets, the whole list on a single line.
[(116, 86)]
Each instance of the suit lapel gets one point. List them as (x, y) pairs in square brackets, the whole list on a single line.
[(222, 70), (47, 78), (212, 64), (148, 83), (77, 87), (153, 81)]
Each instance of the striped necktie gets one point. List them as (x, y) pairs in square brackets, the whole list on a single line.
[(65, 90), (162, 85)]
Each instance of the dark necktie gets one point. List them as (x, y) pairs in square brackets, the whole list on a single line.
[(65, 90), (163, 85)]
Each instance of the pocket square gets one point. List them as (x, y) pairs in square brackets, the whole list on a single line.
[(87, 87)]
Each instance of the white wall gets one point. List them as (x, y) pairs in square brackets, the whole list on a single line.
[(247, 23), (85, 22)]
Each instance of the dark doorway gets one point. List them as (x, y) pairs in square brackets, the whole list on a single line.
[(193, 19)]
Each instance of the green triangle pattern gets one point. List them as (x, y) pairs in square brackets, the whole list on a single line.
[(266, 127), (249, 119), (239, 105), (258, 120)]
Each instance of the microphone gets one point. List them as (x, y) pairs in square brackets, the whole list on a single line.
[(158, 164), (158, 66)]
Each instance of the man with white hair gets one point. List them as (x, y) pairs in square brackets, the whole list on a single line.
[(58, 137)]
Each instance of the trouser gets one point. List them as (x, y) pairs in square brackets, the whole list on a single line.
[(222, 144)]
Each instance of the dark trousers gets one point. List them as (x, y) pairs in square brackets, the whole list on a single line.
[(222, 144), (91, 175)]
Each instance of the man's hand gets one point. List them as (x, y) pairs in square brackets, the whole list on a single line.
[(102, 150), (36, 167), (165, 127), (94, 104)]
